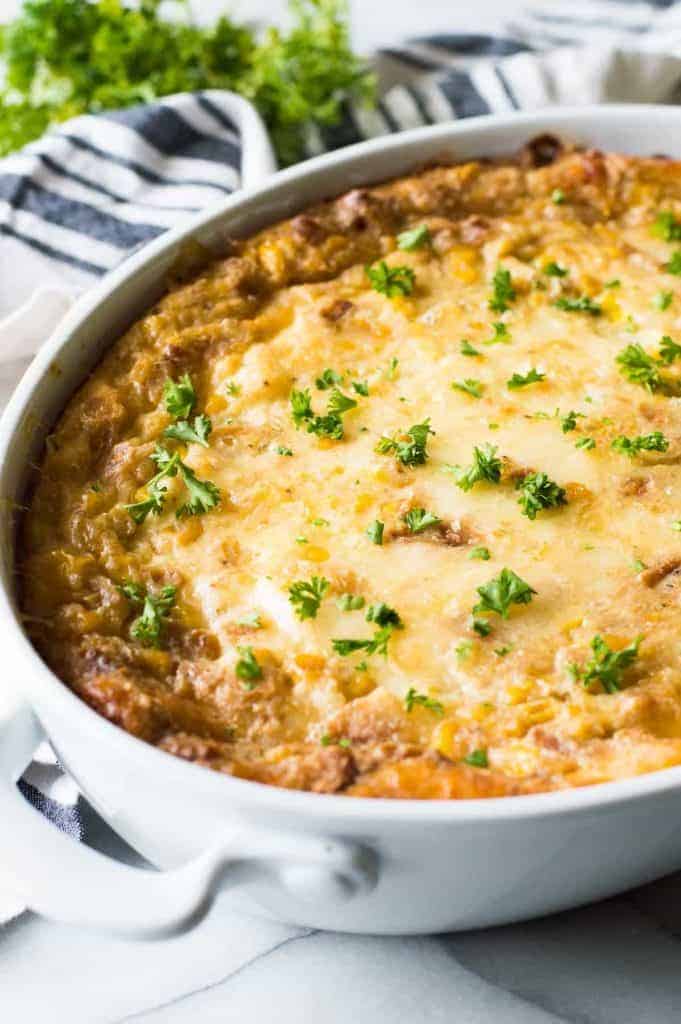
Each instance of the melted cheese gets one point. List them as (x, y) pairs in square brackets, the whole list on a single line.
[(285, 518)]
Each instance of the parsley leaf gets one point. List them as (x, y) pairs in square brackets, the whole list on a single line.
[(631, 446), (585, 443), (283, 450), (328, 379), (503, 291), (413, 699), (555, 270), (638, 367), (537, 492), (669, 350), (501, 592), (666, 226), (519, 380), (663, 300), (330, 425), (203, 494), (500, 335), (179, 397), (471, 387), (583, 304), (199, 433), (480, 552), (148, 627), (411, 448), (154, 502), (361, 387), (374, 531), (383, 615), (350, 602), (378, 644), (485, 466), (418, 520), (467, 349), (414, 238), (569, 421), (558, 196), (476, 759), (606, 666), (480, 626), (674, 264), (247, 668), (306, 596), (391, 281)]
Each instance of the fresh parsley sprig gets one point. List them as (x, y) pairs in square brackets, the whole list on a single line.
[(149, 626), (196, 433), (640, 368), (410, 448), (503, 591), (486, 466), (503, 291), (306, 596), (606, 666), (414, 699), (633, 446), (391, 281), (539, 492), (418, 520)]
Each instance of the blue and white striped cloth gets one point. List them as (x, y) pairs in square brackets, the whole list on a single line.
[(74, 203)]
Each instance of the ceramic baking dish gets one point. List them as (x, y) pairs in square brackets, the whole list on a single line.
[(333, 862)]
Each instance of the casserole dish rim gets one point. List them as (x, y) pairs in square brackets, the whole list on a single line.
[(243, 792)]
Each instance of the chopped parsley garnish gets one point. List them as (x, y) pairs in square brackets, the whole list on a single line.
[(583, 304), (327, 741), (232, 388), (638, 367), (149, 625), (203, 494), (418, 520), (377, 644), (329, 425), (519, 380), (500, 334), (470, 386), (538, 492), (476, 759), (662, 300), (198, 433), (606, 666), (361, 387), (383, 615), (179, 397), (391, 372), (503, 291), (585, 444), (569, 421), (328, 379), (614, 283), (306, 596), (480, 626), (413, 699), (674, 264), (391, 281), (666, 226), (411, 448), (374, 531), (247, 668), (501, 652), (501, 592), (283, 450), (555, 270), (414, 238), (558, 196), (669, 350), (632, 446), (485, 466), (350, 602), (480, 552), (467, 349), (463, 649)]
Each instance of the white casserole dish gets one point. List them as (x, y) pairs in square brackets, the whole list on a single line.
[(331, 862)]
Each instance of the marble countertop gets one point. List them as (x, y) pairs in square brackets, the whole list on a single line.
[(616, 962)]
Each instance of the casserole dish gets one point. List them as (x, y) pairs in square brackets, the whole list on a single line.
[(330, 862)]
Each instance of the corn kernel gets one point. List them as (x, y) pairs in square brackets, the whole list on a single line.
[(310, 662), (312, 553), (215, 403), (189, 531)]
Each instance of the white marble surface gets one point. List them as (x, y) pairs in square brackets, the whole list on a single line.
[(613, 963)]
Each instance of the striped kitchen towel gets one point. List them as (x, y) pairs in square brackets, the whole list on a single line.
[(74, 203)]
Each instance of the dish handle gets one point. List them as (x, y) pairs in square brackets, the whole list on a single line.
[(67, 881)]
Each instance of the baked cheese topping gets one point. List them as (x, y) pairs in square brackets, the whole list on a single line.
[(386, 502)]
